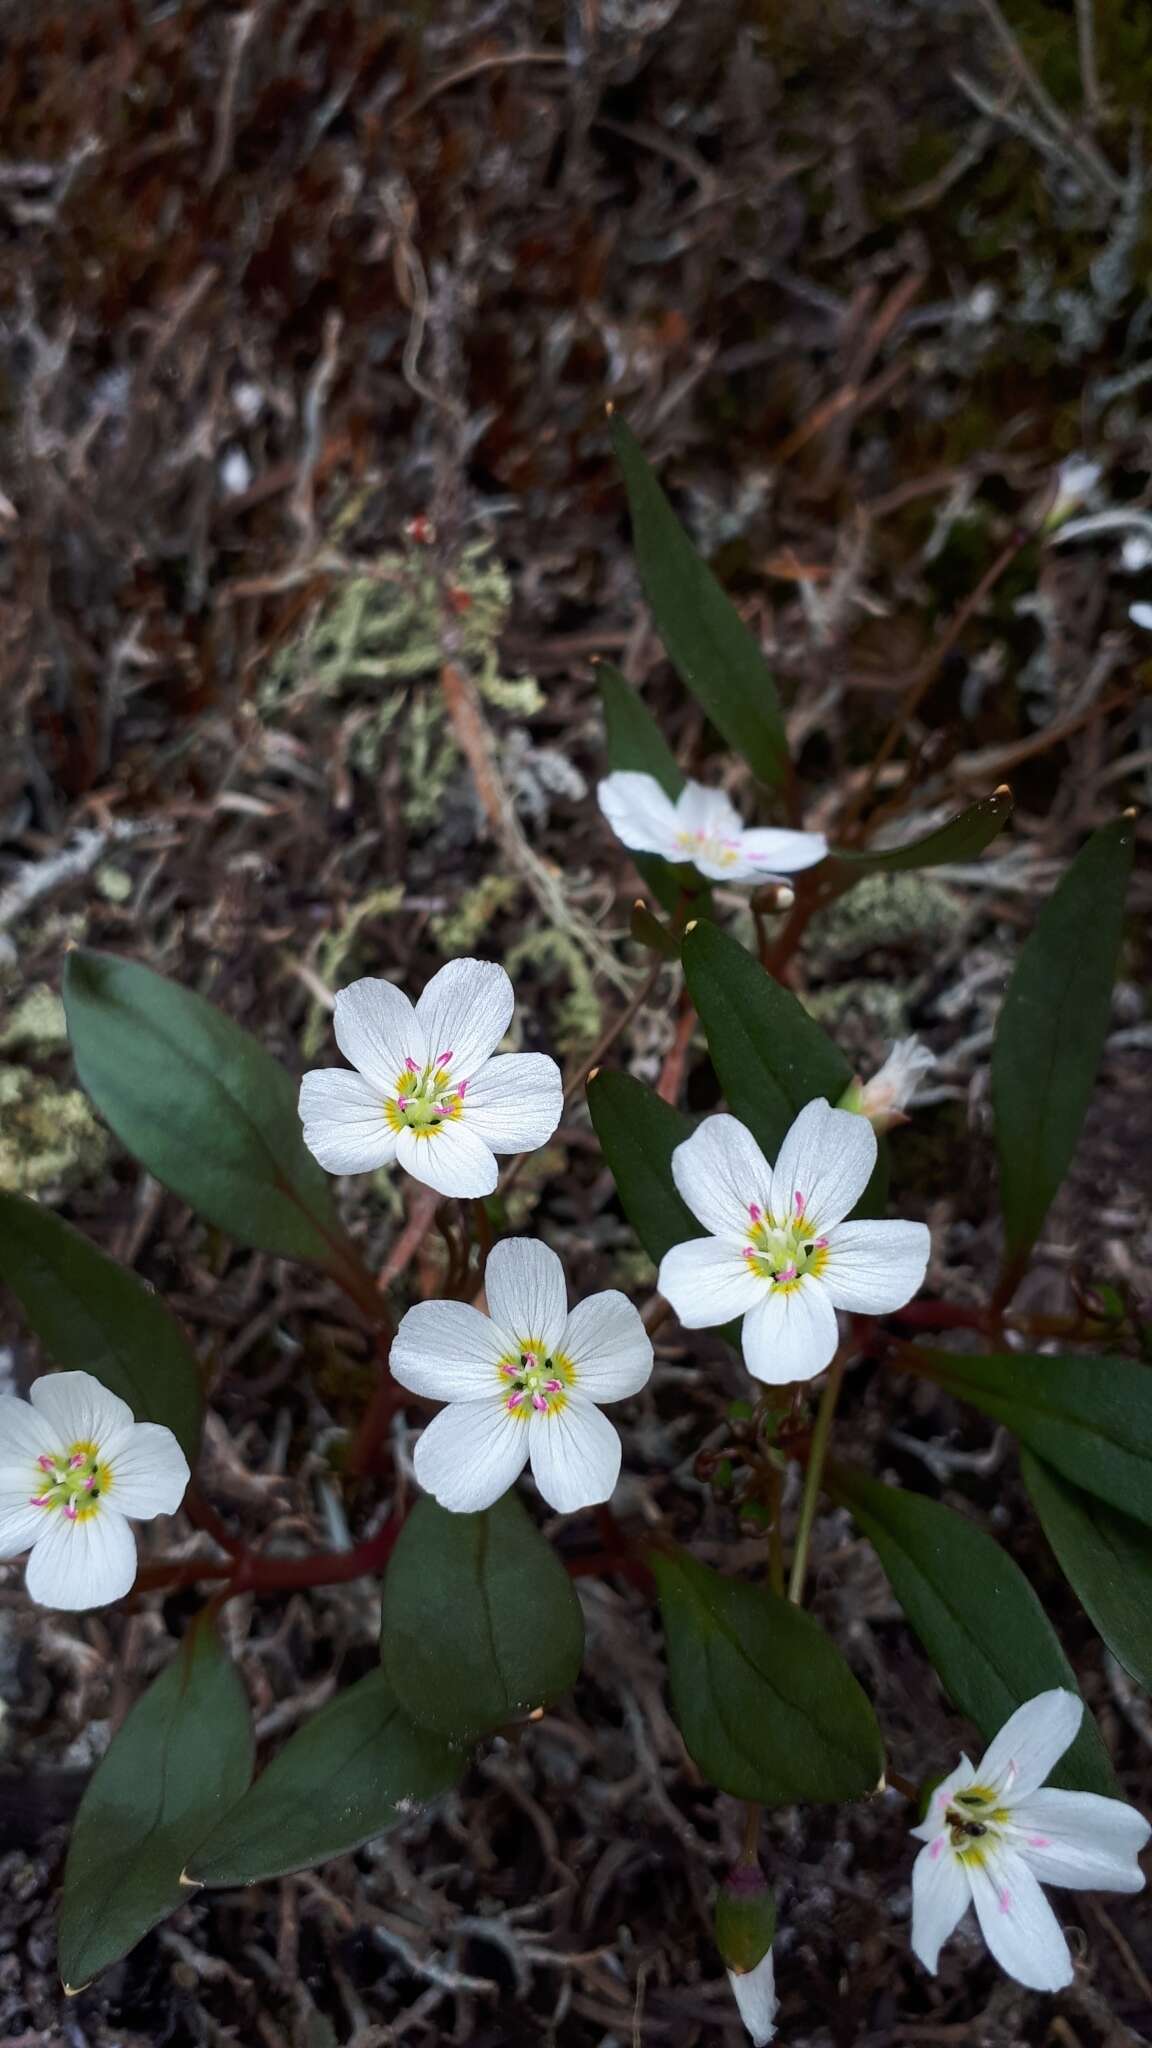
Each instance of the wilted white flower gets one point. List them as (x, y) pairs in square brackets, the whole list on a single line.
[(702, 827), (780, 1253), (885, 1097), (755, 1994), (993, 1837), (523, 1383), (427, 1091), (1076, 480), (74, 1465)]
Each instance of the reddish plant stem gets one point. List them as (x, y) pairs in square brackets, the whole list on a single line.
[(365, 1452), (252, 1573), (203, 1515)]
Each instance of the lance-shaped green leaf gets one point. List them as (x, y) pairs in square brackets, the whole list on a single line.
[(766, 1704), (709, 645), (182, 1758), (351, 1772), (638, 1134), (93, 1316), (635, 741), (961, 838), (983, 1628), (1051, 1032), (480, 1624), (1106, 1558), (201, 1105), (1089, 1417)]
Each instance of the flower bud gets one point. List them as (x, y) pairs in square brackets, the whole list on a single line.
[(745, 1918), (755, 1994), (883, 1099)]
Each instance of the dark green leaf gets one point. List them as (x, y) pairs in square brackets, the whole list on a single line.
[(639, 1133), (962, 838), (976, 1614), (353, 1770), (766, 1704), (1089, 1417), (201, 1105), (634, 741), (93, 1316), (182, 1758), (1106, 1558), (711, 648), (480, 1623), (1051, 1033)]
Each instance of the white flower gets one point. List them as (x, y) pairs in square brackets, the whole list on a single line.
[(701, 827), (1076, 480), (427, 1091), (755, 1994), (780, 1253), (992, 1837), (1135, 553), (885, 1097), (1141, 615), (74, 1464), (523, 1383)]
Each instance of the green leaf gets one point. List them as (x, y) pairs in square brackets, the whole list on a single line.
[(93, 1316), (1051, 1033), (182, 1758), (635, 741), (709, 645), (961, 838), (980, 1622), (480, 1624), (638, 1134), (1106, 1558), (766, 1704), (1089, 1417), (201, 1105), (353, 1770)]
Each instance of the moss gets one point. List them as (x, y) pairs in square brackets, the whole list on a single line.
[(904, 910), (461, 929), (333, 955), (49, 1137), (38, 1021)]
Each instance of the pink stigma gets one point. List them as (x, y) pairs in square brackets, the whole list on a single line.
[(755, 1211), (71, 1510), (540, 1404), (411, 1066), (46, 1463)]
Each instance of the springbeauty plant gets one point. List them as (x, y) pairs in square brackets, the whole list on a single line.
[(770, 1221)]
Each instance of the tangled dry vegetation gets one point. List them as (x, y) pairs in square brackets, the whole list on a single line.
[(310, 536)]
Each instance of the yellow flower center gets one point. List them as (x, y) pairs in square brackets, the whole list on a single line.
[(74, 1480), (784, 1250), (722, 851), (535, 1381), (426, 1098)]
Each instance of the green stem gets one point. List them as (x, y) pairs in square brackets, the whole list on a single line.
[(816, 1456)]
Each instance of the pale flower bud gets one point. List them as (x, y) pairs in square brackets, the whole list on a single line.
[(745, 1922), (755, 1994), (884, 1098)]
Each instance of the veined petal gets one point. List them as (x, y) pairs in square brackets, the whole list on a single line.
[(470, 1454), (640, 813), (25, 1434), (527, 1294), (86, 1563), (452, 1159), (1031, 1741), (149, 1472), (465, 1011), (708, 1282), (700, 809), (344, 1123), (941, 1895), (720, 1171), (515, 1101), (78, 1408), (377, 1030), (575, 1455), (1080, 1839), (827, 1158), (447, 1350), (755, 1994), (1017, 1922), (20, 1523), (874, 1267), (771, 851), (956, 1781), (791, 1334), (606, 1341)]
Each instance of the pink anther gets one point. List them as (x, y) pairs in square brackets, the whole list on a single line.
[(442, 1058), (540, 1404), (40, 1500), (786, 1273), (511, 1371), (749, 1251), (528, 1360), (411, 1066), (46, 1463), (799, 1200), (554, 1386), (514, 1400), (90, 1482), (402, 1101), (755, 1211), (75, 1463), (821, 1244), (71, 1510), (460, 1087)]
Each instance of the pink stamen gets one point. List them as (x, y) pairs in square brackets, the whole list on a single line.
[(411, 1066), (90, 1482), (75, 1463), (402, 1101), (786, 1273), (443, 1058), (755, 1211), (40, 1500), (749, 1251), (554, 1386), (821, 1244), (799, 1200), (71, 1510), (528, 1360), (540, 1404), (46, 1463), (460, 1087), (512, 1371), (513, 1401), (444, 1109)]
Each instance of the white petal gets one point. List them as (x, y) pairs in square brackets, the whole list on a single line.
[(606, 1341), (20, 1523), (25, 1434), (1080, 1839), (148, 1469), (720, 1171), (708, 1282), (956, 1781), (640, 813), (515, 1101), (78, 1408), (1018, 1924), (874, 1267), (451, 1159), (448, 1350), (527, 1295), (755, 1994), (470, 1454), (344, 1124), (80, 1564), (1031, 1741), (575, 1455), (376, 1029), (465, 1010), (827, 1158), (941, 1896), (700, 809), (791, 1334), (767, 850), (895, 1083)]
